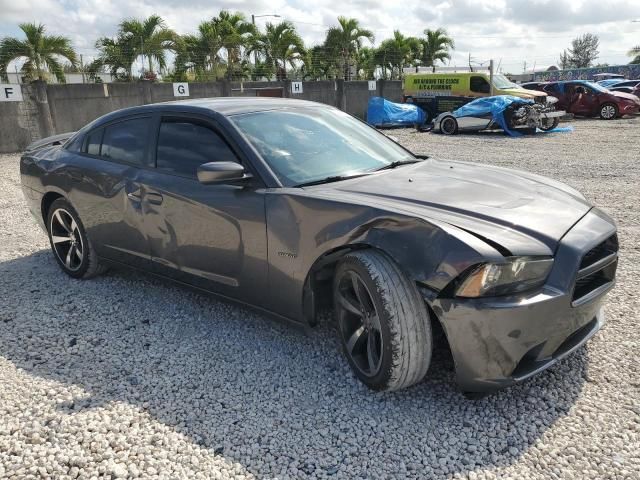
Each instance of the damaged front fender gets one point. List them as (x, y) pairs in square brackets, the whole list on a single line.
[(303, 230)]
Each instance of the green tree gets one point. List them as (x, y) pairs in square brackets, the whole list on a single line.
[(397, 52), (318, 64), (235, 33), (150, 38), (40, 51), (200, 53), (635, 53), (583, 51), (344, 41), (436, 45), (115, 56), (366, 63), (279, 45)]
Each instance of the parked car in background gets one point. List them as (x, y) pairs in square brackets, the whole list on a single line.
[(598, 77), (628, 86), (533, 85), (610, 82), (290, 205), (514, 115), (589, 99), (437, 93)]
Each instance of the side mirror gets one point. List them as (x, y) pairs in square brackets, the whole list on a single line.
[(217, 172)]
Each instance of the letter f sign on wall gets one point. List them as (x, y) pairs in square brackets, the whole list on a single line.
[(10, 93)]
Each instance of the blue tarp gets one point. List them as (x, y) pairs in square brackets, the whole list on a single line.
[(493, 105), (383, 113)]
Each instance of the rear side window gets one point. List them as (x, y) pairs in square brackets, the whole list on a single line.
[(185, 144), (479, 85), (126, 141)]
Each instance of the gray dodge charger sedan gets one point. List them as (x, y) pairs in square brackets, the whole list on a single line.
[(288, 205)]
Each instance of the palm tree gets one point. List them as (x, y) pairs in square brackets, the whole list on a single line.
[(635, 53), (396, 52), (235, 33), (149, 38), (345, 40), (318, 64), (117, 56), (436, 46), (41, 51), (201, 52), (279, 45), (366, 63)]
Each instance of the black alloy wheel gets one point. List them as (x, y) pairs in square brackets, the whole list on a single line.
[(359, 324), (66, 239)]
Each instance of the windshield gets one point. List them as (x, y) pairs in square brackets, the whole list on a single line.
[(500, 81), (307, 144)]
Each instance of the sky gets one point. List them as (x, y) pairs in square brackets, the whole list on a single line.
[(511, 32)]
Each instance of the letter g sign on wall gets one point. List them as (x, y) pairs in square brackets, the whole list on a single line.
[(180, 89)]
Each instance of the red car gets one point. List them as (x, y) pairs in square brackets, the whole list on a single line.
[(589, 99)]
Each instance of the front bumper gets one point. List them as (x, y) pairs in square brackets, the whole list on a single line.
[(500, 341), (630, 109)]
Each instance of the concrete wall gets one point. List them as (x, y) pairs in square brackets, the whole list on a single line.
[(50, 109)]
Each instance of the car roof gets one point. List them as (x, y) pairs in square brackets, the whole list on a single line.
[(235, 105), (220, 105)]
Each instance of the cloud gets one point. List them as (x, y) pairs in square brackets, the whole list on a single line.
[(514, 31)]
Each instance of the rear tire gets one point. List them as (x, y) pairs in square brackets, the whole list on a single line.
[(384, 325), (608, 111), (69, 242)]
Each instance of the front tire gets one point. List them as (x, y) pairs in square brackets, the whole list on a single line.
[(608, 111), (449, 125), (382, 321), (69, 242), (549, 124)]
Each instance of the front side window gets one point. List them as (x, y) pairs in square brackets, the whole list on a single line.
[(479, 85), (184, 145), (126, 141), (94, 140), (311, 143)]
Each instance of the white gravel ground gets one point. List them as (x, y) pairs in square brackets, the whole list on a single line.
[(128, 376)]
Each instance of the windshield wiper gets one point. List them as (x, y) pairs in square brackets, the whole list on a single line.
[(397, 163), (331, 179)]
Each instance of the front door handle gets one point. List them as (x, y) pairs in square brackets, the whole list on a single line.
[(154, 198)]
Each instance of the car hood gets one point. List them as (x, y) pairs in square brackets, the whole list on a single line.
[(523, 92), (524, 213), (628, 96)]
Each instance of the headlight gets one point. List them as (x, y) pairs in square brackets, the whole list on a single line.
[(551, 99), (516, 274)]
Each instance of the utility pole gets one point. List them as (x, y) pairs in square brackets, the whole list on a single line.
[(255, 52), (82, 67), (491, 77), (524, 67), (141, 56)]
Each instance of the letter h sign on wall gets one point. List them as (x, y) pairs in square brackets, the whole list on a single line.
[(296, 87)]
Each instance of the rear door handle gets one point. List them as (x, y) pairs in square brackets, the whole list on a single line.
[(154, 198)]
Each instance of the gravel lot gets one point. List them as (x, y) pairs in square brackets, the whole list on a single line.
[(128, 376)]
